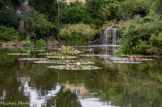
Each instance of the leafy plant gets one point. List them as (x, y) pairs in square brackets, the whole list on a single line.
[(131, 8), (81, 33), (8, 34), (137, 36), (9, 18), (27, 43), (40, 42), (74, 13), (36, 25)]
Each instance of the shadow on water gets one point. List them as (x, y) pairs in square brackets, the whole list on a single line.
[(116, 85)]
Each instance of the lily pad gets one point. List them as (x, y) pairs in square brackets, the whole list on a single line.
[(32, 59), (63, 62), (62, 57), (126, 62), (37, 50), (17, 54), (62, 67), (92, 55), (49, 54)]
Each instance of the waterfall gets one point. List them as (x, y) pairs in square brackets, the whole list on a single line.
[(114, 35), (110, 35)]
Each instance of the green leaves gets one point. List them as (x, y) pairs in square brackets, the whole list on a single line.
[(131, 8), (36, 23), (77, 34), (9, 18), (8, 34), (142, 35)]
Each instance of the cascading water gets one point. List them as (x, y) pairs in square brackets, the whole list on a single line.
[(110, 35)]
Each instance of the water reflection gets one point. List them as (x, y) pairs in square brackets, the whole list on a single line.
[(108, 51), (36, 98), (120, 85)]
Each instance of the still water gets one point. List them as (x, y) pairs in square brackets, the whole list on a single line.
[(29, 84)]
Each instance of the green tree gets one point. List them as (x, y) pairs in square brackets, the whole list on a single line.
[(156, 5), (47, 7), (75, 13), (9, 18), (10, 3), (139, 37), (77, 34), (112, 9), (36, 25), (97, 11), (130, 8), (7, 34)]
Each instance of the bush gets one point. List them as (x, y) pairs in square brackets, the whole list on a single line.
[(156, 6), (130, 8), (139, 37), (102, 10), (27, 43), (142, 47), (40, 42), (8, 34), (36, 25), (156, 41), (9, 18), (159, 38), (118, 52), (153, 40), (77, 34), (74, 13)]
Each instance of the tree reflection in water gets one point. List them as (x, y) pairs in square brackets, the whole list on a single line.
[(125, 85)]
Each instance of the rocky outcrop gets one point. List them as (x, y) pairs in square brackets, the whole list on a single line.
[(24, 7), (10, 44), (96, 39), (51, 41)]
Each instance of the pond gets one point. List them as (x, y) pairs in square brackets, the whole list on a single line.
[(32, 78)]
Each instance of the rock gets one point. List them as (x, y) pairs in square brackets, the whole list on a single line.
[(96, 42), (21, 25), (24, 7), (51, 41), (11, 43)]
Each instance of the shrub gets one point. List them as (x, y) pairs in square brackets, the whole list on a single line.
[(8, 34), (40, 42), (74, 13), (153, 40), (137, 36), (27, 43), (118, 52), (130, 8), (74, 33), (9, 18), (156, 41), (103, 10), (159, 38), (36, 25), (142, 47)]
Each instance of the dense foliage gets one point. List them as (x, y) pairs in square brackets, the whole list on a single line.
[(143, 36), (75, 13), (131, 8), (77, 34), (36, 25), (9, 18), (8, 34)]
